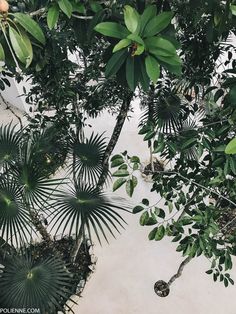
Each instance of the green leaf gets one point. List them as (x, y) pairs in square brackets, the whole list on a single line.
[(172, 60), (123, 43), (147, 15), (118, 183), (144, 78), (131, 18), (189, 143), (233, 9), (160, 46), (231, 147), (52, 16), (157, 24), (115, 62), (138, 209), (136, 39), (170, 206), (112, 29), (144, 218), (152, 234), (135, 159), (149, 135), (132, 73), (160, 233), (120, 173), (95, 6), (117, 162), (28, 46), (129, 187), (152, 68), (117, 156), (232, 163), (30, 26), (2, 54), (135, 181), (19, 46), (66, 7)]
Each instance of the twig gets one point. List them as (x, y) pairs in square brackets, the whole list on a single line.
[(8, 107), (180, 270)]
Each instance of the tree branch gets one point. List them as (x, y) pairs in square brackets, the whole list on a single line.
[(180, 270)]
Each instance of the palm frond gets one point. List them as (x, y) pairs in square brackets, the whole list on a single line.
[(48, 150), (15, 223), (25, 283), (166, 111), (84, 209), (88, 157), (9, 143)]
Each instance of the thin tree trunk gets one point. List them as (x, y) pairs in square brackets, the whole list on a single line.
[(76, 247), (114, 138), (40, 227)]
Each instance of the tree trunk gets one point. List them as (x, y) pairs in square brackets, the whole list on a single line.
[(40, 227), (114, 138)]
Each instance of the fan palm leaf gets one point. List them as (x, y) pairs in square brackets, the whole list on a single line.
[(9, 143), (25, 283), (15, 220), (86, 208), (166, 111), (47, 150), (89, 157)]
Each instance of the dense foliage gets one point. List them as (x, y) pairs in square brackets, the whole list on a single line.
[(83, 57)]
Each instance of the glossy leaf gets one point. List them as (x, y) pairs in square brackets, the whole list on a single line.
[(131, 18), (30, 26), (19, 46), (149, 12), (66, 7), (123, 43), (129, 187), (52, 16), (158, 24), (118, 183), (152, 68), (231, 147), (112, 29), (115, 62)]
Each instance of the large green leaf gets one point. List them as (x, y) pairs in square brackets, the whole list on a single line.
[(131, 18), (144, 78), (30, 26), (115, 62), (231, 147), (19, 46), (132, 72), (42, 284), (160, 46), (66, 7), (157, 24), (86, 208), (172, 60), (152, 68), (123, 43), (149, 13), (52, 16), (112, 29)]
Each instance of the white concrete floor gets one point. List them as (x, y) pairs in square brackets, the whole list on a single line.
[(128, 267)]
